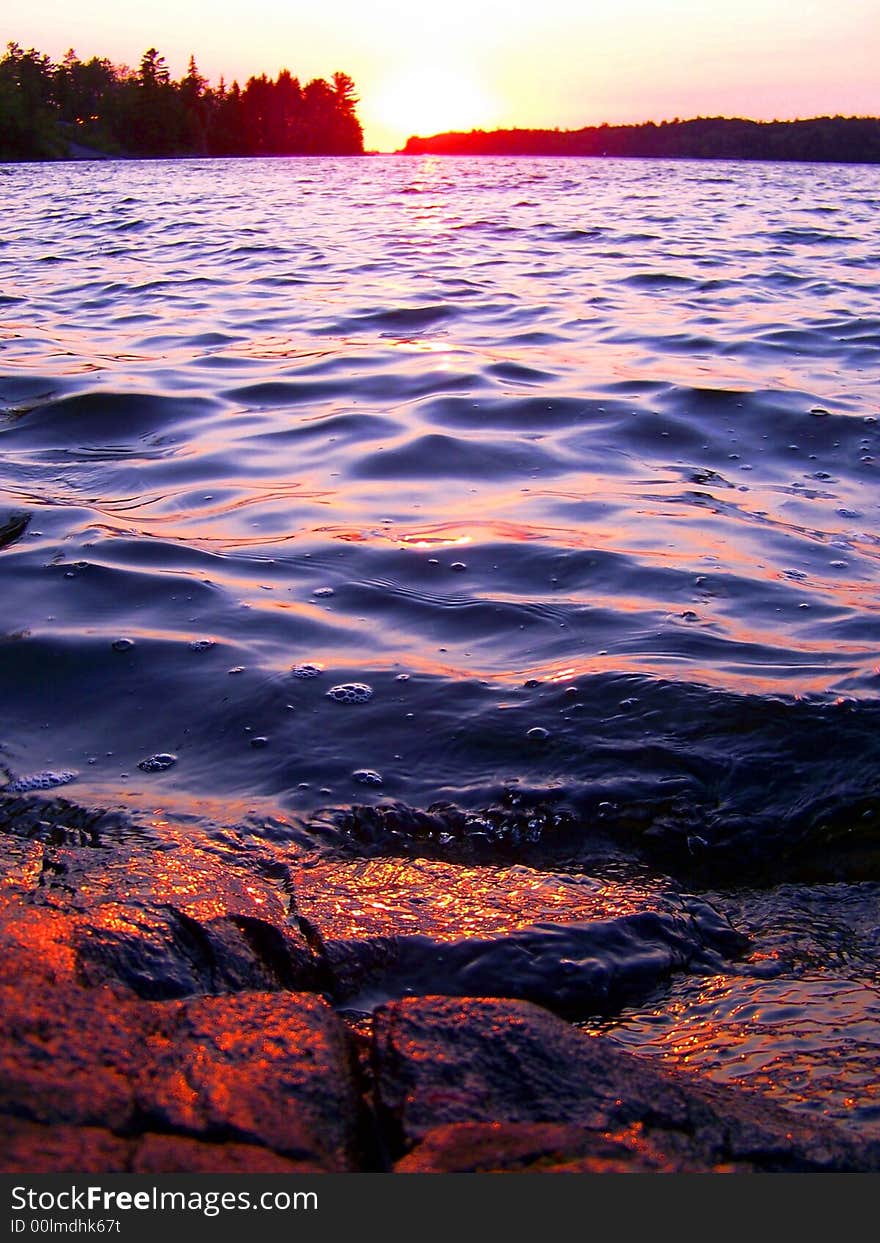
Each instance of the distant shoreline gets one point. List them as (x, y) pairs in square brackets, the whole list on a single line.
[(81, 157), (844, 140)]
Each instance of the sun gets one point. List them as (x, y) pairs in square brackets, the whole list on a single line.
[(432, 99)]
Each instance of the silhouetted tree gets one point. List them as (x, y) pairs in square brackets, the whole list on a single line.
[(348, 132), (153, 72), (196, 107), (83, 90), (44, 107), (27, 105)]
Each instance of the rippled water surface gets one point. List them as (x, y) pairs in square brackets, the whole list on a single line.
[(572, 464)]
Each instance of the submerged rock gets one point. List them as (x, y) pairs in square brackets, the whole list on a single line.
[(390, 927)]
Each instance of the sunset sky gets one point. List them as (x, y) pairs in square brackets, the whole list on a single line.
[(460, 64)]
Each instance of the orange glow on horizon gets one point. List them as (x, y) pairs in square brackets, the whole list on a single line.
[(502, 63)]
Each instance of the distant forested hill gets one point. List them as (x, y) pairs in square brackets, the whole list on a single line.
[(840, 139), (50, 111)]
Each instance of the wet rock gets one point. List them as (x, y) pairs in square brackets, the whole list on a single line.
[(21, 864), (440, 1062), (520, 825), (156, 1012), (536, 1147), (163, 953), (130, 922), (35, 1148), (69, 1055), (274, 1070), (32, 1146), (388, 928), (175, 1154), (56, 821), (164, 922), (36, 950), (13, 524)]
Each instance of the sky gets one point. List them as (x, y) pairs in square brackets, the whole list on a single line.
[(462, 64)]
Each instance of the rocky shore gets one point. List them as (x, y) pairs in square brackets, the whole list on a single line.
[(242, 1005)]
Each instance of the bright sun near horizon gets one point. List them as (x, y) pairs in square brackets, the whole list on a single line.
[(431, 99), (487, 64)]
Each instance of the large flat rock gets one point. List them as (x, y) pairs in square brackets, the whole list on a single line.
[(444, 1063), (390, 928)]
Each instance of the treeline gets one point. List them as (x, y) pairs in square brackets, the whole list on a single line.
[(824, 139), (51, 111)]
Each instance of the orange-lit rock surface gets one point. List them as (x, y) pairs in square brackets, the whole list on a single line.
[(32, 1147), (168, 1008), (105, 947), (441, 1063), (269, 1070), (163, 916), (538, 1148)]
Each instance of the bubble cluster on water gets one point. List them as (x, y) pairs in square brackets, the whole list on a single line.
[(201, 645), (39, 781), (307, 671), (157, 763), (350, 693)]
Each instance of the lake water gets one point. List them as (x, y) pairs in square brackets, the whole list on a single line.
[(572, 464)]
